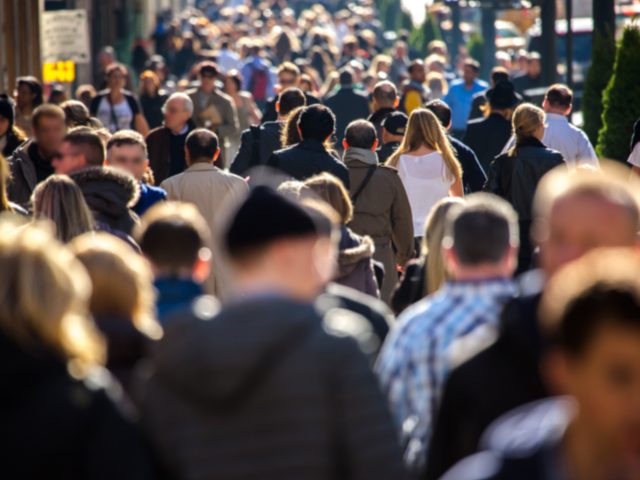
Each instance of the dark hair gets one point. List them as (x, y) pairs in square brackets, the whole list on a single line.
[(129, 138), (499, 74), (385, 93), (235, 76), (360, 134), (116, 67), (481, 230), (317, 122), (441, 110), (34, 86), (559, 95), (89, 143), (414, 65), (290, 99), (76, 113), (46, 110), (346, 77), (201, 144), (208, 67), (474, 64)]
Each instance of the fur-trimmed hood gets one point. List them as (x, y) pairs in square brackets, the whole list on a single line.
[(353, 249)]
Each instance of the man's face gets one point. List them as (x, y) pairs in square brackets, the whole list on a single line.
[(419, 73), (68, 160), (175, 115), (49, 134), (401, 51), (130, 158), (207, 82), (581, 223), (533, 68), (24, 96), (469, 74), (287, 79), (116, 80)]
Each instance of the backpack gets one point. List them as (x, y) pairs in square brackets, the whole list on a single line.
[(258, 84)]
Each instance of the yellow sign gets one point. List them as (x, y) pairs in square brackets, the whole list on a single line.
[(59, 71)]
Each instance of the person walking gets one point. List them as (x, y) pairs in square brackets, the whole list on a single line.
[(414, 93), (385, 101), (394, 126), (460, 96), (347, 103), (10, 135), (152, 98), (28, 96)]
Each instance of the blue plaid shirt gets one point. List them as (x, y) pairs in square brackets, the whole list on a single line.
[(414, 362)]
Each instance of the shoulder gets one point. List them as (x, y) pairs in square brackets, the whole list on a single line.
[(157, 132), (223, 96), (155, 192)]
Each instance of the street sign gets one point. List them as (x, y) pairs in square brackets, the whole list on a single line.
[(65, 36), (59, 71)]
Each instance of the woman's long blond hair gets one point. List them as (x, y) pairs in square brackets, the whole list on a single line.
[(424, 130), (435, 270), (44, 294), (121, 279), (527, 118)]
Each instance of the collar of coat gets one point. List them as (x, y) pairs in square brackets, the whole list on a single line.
[(353, 154)]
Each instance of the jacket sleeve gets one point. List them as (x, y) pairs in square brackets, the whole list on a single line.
[(493, 180), (230, 124), (402, 224), (243, 158)]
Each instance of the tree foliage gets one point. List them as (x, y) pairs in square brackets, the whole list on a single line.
[(604, 50), (475, 46)]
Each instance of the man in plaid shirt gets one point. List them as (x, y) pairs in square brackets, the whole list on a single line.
[(480, 248)]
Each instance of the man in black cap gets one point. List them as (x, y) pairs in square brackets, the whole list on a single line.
[(479, 102), (263, 385), (393, 128)]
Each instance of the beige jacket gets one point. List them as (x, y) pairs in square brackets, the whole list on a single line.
[(213, 192), (217, 113)]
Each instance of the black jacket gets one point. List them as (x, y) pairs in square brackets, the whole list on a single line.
[(270, 114), (59, 428), (24, 176), (13, 142), (306, 159), (487, 137), (386, 150), (110, 195), (498, 379), (377, 117), (473, 175), (348, 105), (256, 146), (261, 390)]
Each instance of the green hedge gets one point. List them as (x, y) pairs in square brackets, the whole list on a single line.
[(604, 51)]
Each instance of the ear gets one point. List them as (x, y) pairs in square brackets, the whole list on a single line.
[(216, 155), (201, 270), (375, 145), (278, 107), (187, 157), (450, 259), (345, 145), (396, 102)]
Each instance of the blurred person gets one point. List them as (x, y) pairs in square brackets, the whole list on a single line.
[(10, 135), (590, 315), (498, 74), (310, 157), (60, 200), (176, 240), (256, 75), (514, 175), (381, 208), (460, 96), (31, 162), (480, 249), (355, 252), (248, 113), (473, 174), (5, 204), (288, 77), (503, 60), (122, 301), (106, 58), (28, 97), (427, 166), (532, 78), (127, 151), (384, 101), (414, 93), (81, 148), (63, 416), (425, 275), (486, 135), (257, 143), (85, 93), (186, 55), (76, 114), (437, 85), (307, 84), (152, 98), (57, 95), (227, 59), (393, 129), (347, 104), (281, 256), (166, 143)]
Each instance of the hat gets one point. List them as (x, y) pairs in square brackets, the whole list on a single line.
[(395, 123), (502, 95), (6, 108), (266, 216)]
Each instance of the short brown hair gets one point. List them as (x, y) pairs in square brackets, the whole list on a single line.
[(89, 142), (559, 95), (289, 67), (127, 137), (47, 110), (208, 67), (331, 190)]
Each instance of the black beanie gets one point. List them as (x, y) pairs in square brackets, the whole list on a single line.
[(6, 109), (266, 216)]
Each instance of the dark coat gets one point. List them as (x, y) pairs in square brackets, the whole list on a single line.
[(411, 287), (59, 428), (498, 379), (348, 105), (13, 142), (306, 159), (386, 150), (473, 175), (487, 137), (256, 150), (377, 117), (23, 175), (261, 390), (159, 148), (355, 263), (152, 109), (270, 114), (110, 194)]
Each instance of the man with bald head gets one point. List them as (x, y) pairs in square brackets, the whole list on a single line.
[(385, 100), (166, 143)]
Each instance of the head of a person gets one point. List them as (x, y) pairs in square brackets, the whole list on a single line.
[(59, 200), (591, 315), (528, 122), (316, 122), (349, 46), (49, 128), (127, 150), (558, 99), (7, 114), (122, 288), (149, 83), (29, 93), (232, 82), (288, 100), (435, 63), (332, 191), (177, 111), (201, 146), (360, 134), (534, 65), (400, 50), (76, 114), (442, 111), (576, 211), (116, 74), (437, 84), (81, 148), (44, 295), (288, 75), (501, 99), (175, 239), (437, 47), (385, 95), (481, 238), (58, 95), (85, 93), (470, 70), (346, 77), (106, 56), (394, 126), (207, 74), (276, 244), (498, 74), (417, 71)]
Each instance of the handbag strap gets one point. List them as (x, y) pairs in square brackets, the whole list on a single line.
[(365, 182)]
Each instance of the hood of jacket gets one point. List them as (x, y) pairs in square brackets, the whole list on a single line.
[(352, 250), (107, 190), (363, 155)]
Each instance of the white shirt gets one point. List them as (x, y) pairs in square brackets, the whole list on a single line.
[(229, 60), (569, 140), (116, 117), (426, 182), (634, 156)]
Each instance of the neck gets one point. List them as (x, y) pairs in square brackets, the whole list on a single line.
[(468, 84), (553, 111), (479, 272), (24, 109), (270, 282), (115, 94), (589, 456), (178, 130)]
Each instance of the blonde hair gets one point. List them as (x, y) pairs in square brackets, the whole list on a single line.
[(122, 281), (435, 271), (331, 191), (44, 293), (60, 200), (425, 130), (527, 118), (5, 206)]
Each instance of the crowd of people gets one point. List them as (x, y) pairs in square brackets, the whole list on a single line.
[(301, 251)]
